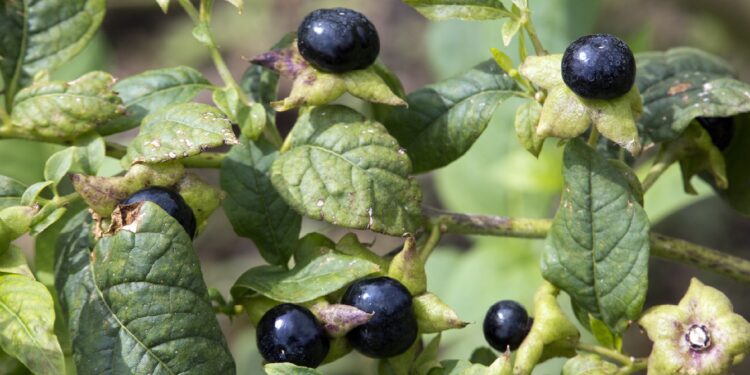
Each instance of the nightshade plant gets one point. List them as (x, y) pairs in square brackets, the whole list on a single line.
[(128, 296)]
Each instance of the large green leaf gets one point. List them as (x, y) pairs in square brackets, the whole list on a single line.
[(308, 280), (347, 170), (472, 10), (151, 90), (598, 246), (27, 317), (443, 120), (36, 35), (736, 156), (179, 131), (60, 110), (684, 83), (253, 206), (138, 303), (11, 191)]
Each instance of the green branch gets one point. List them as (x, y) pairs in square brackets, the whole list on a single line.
[(661, 246), (629, 364), (209, 160), (204, 17)]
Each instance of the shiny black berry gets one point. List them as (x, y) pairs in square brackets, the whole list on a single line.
[(393, 327), (721, 130), (338, 40), (506, 325), (290, 333), (170, 201), (599, 66)]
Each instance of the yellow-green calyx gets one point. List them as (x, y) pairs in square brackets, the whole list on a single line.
[(567, 115), (699, 336)]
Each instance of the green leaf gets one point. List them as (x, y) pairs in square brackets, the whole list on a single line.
[(90, 153), (55, 214), (239, 4), (58, 110), (306, 281), (470, 10), (151, 90), (598, 246), (11, 191), (428, 357), (510, 29), (14, 262), (737, 193), (27, 324), (483, 356), (250, 117), (527, 119), (58, 165), (588, 364), (163, 4), (179, 131), (45, 244), (443, 120), (603, 335), (684, 83), (43, 35), (288, 369), (261, 85), (141, 289), (31, 194), (253, 206), (348, 171)]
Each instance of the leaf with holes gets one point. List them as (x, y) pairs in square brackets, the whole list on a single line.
[(140, 289), (347, 170), (684, 83), (36, 35), (308, 280), (58, 110), (253, 206), (151, 90), (471, 10), (179, 131), (598, 247), (443, 120)]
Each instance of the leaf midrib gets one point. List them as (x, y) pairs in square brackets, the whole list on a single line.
[(432, 120), (121, 324)]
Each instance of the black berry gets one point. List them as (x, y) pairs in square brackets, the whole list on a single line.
[(721, 130), (338, 40), (290, 333), (170, 201), (506, 325), (393, 327), (599, 66)]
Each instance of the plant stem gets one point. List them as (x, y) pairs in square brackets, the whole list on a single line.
[(701, 257), (204, 17), (594, 137), (4, 117), (606, 353), (490, 225), (436, 231), (531, 30), (661, 246), (657, 169), (210, 160), (66, 199)]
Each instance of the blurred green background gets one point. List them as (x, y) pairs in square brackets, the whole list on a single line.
[(496, 177)]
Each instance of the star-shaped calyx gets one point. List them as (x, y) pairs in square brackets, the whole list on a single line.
[(699, 336), (310, 87), (567, 115)]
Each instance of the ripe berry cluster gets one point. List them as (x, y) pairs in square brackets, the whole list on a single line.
[(291, 333)]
